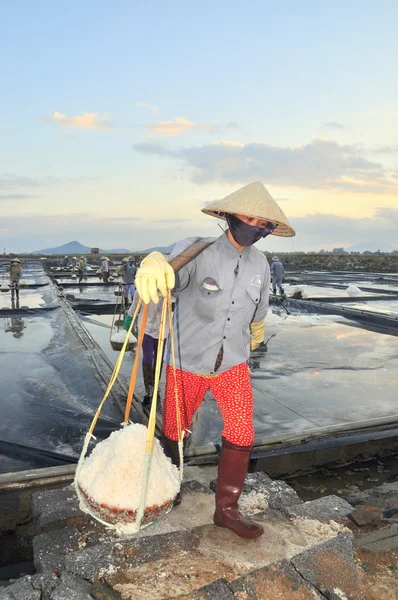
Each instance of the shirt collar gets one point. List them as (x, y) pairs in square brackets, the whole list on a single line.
[(233, 252)]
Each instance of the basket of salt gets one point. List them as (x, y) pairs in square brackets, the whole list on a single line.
[(74, 276), (4, 287), (110, 479), (117, 341), (127, 482)]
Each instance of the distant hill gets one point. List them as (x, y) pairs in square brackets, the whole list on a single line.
[(371, 247), (72, 248), (163, 249)]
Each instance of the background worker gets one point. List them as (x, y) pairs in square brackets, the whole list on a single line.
[(277, 272), (81, 268), (105, 269), (128, 271), (16, 271), (221, 303), (66, 262), (149, 343), (74, 263)]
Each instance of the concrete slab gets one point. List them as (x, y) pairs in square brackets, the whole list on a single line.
[(275, 582), (329, 567), (323, 509), (282, 539), (50, 549), (55, 508), (21, 590), (218, 590), (382, 540), (72, 588)]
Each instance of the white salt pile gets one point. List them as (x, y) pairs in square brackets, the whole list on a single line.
[(4, 287), (299, 288), (74, 276), (120, 336), (112, 474), (353, 290)]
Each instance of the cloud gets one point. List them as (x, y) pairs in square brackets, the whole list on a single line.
[(156, 149), (390, 214), (334, 125), (330, 230), (320, 164), (84, 121), (385, 150), (154, 109), (179, 125), (16, 197), (10, 180)]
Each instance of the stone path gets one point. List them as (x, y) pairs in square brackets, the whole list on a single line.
[(307, 551)]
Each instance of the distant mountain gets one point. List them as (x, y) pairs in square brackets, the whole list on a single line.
[(163, 249), (371, 247), (72, 248)]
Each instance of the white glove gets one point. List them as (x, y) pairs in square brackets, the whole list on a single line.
[(154, 274)]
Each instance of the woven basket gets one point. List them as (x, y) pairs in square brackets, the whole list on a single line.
[(117, 346), (114, 515), (117, 292)]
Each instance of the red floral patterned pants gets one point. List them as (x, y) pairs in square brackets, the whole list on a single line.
[(232, 391)]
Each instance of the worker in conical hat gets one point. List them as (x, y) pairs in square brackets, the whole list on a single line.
[(128, 271), (221, 303), (16, 272), (105, 271), (277, 272)]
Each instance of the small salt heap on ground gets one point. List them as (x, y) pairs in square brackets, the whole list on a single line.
[(4, 287), (74, 276), (112, 475), (353, 290), (298, 292), (120, 336)]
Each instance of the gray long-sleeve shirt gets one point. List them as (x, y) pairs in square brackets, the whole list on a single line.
[(277, 269), (214, 307)]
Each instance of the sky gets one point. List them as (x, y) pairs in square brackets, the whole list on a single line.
[(120, 120)]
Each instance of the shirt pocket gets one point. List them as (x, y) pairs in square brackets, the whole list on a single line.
[(252, 299), (207, 298)]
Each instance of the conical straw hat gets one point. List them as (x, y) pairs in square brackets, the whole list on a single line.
[(253, 200)]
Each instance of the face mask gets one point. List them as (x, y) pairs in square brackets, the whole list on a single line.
[(247, 235)]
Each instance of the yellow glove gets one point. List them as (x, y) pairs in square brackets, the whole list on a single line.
[(154, 274), (257, 332)]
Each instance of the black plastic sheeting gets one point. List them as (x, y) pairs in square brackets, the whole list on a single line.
[(49, 388)]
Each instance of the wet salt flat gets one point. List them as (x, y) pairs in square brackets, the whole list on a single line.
[(318, 371), (313, 291), (387, 307)]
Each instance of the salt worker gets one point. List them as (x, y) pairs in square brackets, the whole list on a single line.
[(277, 272), (16, 271), (105, 268), (128, 271), (221, 303)]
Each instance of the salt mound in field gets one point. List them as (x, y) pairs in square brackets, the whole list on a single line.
[(120, 336), (353, 290), (294, 290), (111, 477)]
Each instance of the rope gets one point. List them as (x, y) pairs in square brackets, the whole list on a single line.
[(173, 361), (166, 313), (134, 372)]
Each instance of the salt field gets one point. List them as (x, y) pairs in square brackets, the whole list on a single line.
[(315, 371)]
